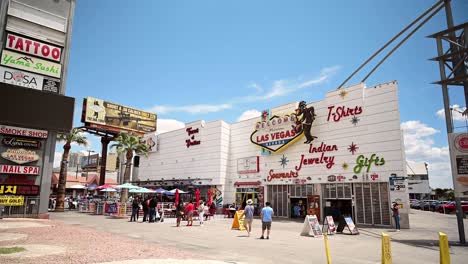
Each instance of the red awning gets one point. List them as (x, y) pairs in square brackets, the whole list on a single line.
[(257, 183)]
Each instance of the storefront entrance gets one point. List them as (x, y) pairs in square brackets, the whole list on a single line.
[(298, 207), (283, 198)]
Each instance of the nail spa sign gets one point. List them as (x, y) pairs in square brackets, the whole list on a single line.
[(14, 169)]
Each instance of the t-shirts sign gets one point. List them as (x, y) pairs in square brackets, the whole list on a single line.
[(311, 226)]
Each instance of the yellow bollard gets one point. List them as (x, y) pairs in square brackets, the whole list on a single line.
[(444, 249), (327, 250), (386, 249)]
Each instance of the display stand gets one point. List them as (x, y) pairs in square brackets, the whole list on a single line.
[(311, 223), (348, 222), (329, 226), (238, 222)]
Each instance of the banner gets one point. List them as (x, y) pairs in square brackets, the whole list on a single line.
[(12, 200), (106, 114), (32, 64)]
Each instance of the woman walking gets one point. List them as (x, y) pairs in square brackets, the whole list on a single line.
[(201, 212)]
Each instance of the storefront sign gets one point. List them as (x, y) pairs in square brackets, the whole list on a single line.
[(257, 183), (16, 142), (329, 161), (32, 64), (12, 200), (337, 113), (20, 189), (192, 141), (21, 78), (20, 156), (109, 116), (248, 165), (461, 142), (282, 175), (276, 133), (25, 132), (362, 162), (15, 169), (51, 85), (33, 47), (397, 184)]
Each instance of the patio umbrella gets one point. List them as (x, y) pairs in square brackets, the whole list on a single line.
[(197, 198), (127, 186), (176, 197), (160, 190), (77, 186), (105, 186), (92, 187), (108, 190), (210, 201)]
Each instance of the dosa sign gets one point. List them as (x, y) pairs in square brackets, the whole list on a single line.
[(276, 133)]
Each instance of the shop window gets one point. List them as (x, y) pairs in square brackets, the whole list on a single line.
[(347, 190), (340, 190), (333, 191), (310, 189)]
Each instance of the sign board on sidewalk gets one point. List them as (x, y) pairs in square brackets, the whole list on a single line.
[(459, 159), (311, 223), (329, 225), (12, 200), (238, 222), (351, 227)]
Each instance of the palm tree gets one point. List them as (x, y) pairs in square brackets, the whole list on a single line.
[(129, 144), (75, 136)]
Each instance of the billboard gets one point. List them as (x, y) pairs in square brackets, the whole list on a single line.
[(103, 115), (459, 159)]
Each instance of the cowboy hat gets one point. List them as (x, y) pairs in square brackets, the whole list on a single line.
[(249, 201)]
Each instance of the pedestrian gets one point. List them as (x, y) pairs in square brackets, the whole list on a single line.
[(152, 209), (396, 215), (135, 209), (145, 205), (201, 212), (179, 212), (266, 216), (189, 208), (249, 214)]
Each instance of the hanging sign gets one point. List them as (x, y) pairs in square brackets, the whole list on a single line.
[(20, 156), (311, 224), (397, 184), (276, 133), (16, 142), (15, 169), (33, 47), (238, 222), (12, 200), (25, 132), (32, 64), (21, 78), (19, 189), (248, 165), (329, 225), (459, 160)]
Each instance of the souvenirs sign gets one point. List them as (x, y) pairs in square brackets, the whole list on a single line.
[(15, 169), (109, 116), (19, 189), (33, 47), (311, 223), (20, 156), (12, 200), (32, 64), (25, 132), (248, 165), (16, 142), (277, 133)]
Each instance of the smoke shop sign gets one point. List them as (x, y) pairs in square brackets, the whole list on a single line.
[(25, 132), (14, 169), (33, 47), (276, 133), (32, 64), (20, 156)]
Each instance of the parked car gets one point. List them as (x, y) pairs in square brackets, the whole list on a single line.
[(416, 205), (450, 207), (439, 204)]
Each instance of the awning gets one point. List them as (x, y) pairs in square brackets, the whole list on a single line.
[(257, 183)]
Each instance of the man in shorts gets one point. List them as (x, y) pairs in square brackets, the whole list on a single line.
[(249, 214), (266, 216)]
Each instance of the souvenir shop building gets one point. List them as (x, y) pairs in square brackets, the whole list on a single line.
[(337, 156)]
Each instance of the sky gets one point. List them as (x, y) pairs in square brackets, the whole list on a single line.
[(210, 60)]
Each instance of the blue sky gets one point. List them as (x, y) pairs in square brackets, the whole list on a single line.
[(190, 60)]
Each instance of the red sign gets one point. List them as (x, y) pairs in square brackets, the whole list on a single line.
[(282, 175), (191, 141), (247, 183), (329, 161), (33, 47), (336, 113), (15, 169), (461, 143), (25, 132)]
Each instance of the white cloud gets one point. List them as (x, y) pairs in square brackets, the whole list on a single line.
[(283, 87), (256, 87), (166, 125), (191, 109), (249, 114), (419, 147), (456, 113)]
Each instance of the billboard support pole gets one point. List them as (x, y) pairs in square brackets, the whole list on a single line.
[(105, 143)]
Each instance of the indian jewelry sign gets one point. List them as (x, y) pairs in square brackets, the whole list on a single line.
[(32, 64)]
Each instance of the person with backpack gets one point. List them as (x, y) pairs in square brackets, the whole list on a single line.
[(201, 212)]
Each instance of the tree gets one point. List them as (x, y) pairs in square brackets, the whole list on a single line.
[(75, 136), (129, 144)]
